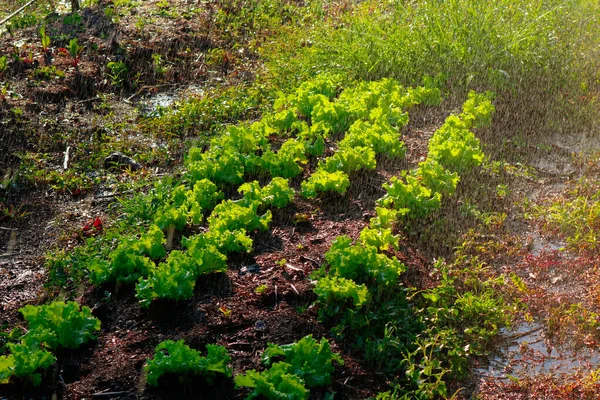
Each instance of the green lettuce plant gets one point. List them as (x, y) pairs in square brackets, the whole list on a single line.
[(177, 358)]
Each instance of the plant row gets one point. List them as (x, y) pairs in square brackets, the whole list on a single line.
[(292, 370), (418, 339), (369, 116)]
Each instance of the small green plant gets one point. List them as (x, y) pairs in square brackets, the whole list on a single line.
[(179, 359), (58, 324), (72, 19), (282, 262), (3, 64), (117, 72), (48, 72), (73, 52), (44, 39), (23, 361), (261, 289), (323, 181), (174, 279), (160, 67)]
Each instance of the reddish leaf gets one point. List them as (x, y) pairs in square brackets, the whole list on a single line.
[(98, 223)]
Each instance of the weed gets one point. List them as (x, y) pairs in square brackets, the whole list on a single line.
[(47, 73), (576, 215), (44, 39), (160, 67), (73, 52), (73, 19), (261, 289), (225, 311), (117, 73)]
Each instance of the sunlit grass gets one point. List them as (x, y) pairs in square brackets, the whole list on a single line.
[(575, 214)]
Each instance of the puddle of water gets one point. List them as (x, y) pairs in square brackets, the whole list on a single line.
[(526, 353), (153, 106), (541, 245), (553, 166), (579, 143)]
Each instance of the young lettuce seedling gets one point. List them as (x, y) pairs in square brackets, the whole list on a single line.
[(45, 39)]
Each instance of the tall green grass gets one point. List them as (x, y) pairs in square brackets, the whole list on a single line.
[(471, 43)]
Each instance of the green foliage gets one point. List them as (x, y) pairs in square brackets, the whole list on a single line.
[(310, 93), (309, 360), (575, 214), (506, 45), (336, 117), (380, 238), (219, 165), (307, 363), (45, 39), (205, 193), (455, 147), (465, 311), (283, 120), (205, 254), (126, 265), (277, 193), (144, 206), (152, 242), (231, 216), (384, 101), (177, 358), (209, 113), (323, 181), (227, 241), (174, 279), (314, 139), (380, 136), (335, 294), (3, 63), (350, 159), (73, 51), (284, 163), (24, 360), (362, 263), (61, 324), (47, 73), (386, 217), (478, 109), (243, 139), (410, 193), (176, 217), (117, 72), (187, 206), (437, 178), (275, 383)]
